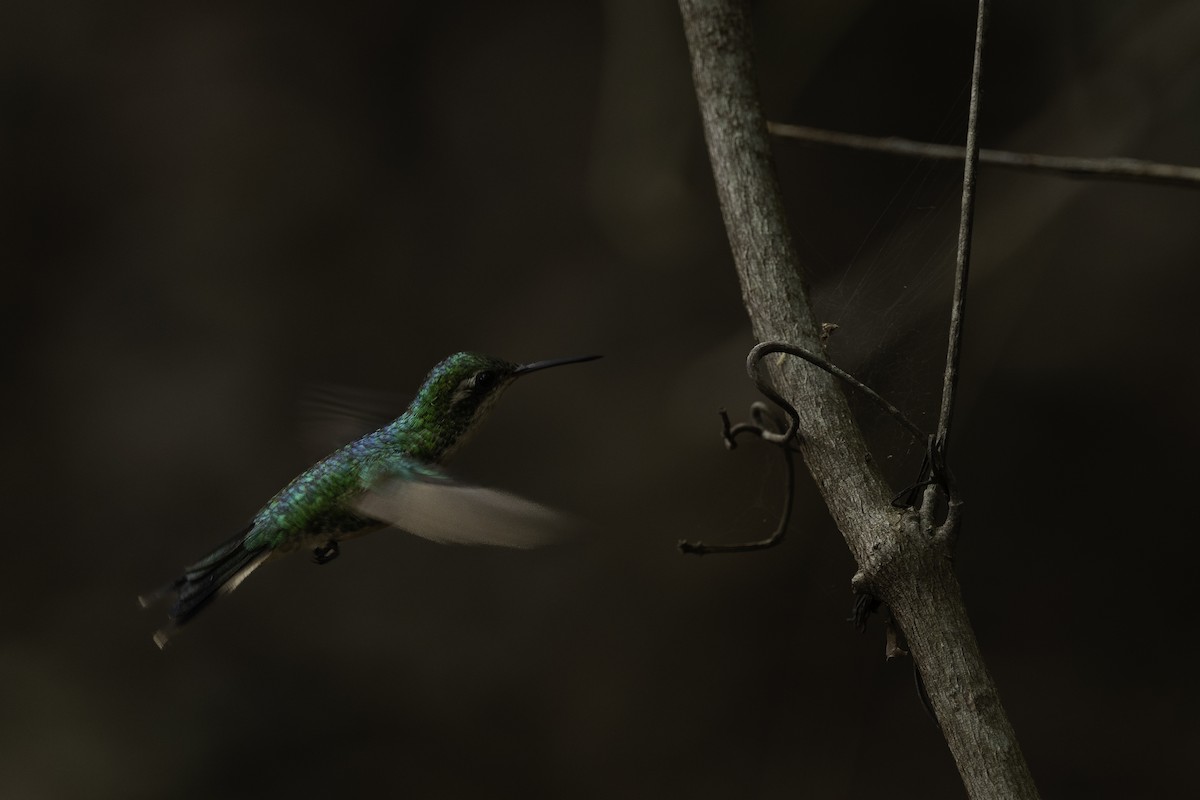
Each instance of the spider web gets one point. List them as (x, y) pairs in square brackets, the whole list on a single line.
[(891, 297)]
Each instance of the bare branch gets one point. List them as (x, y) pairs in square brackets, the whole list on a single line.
[(966, 223), (1124, 169), (898, 563)]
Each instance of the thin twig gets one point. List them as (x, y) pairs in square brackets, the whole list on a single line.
[(966, 221), (1124, 169)]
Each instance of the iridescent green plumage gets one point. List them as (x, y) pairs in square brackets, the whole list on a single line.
[(388, 477)]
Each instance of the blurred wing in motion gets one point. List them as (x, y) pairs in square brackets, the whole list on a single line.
[(331, 415), (444, 511)]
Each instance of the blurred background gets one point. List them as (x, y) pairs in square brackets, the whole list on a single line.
[(210, 209)]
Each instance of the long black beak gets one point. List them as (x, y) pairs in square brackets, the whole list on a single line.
[(525, 369)]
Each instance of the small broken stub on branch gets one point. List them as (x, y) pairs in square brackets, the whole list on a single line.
[(894, 648), (865, 604), (827, 330)]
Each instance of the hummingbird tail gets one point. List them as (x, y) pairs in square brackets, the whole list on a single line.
[(218, 573)]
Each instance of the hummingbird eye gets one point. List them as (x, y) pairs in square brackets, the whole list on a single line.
[(483, 379)]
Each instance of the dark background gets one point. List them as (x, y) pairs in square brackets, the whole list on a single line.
[(207, 210)]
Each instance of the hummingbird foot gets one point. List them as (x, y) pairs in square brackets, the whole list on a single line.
[(327, 553)]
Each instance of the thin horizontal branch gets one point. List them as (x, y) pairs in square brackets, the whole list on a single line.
[(1125, 169)]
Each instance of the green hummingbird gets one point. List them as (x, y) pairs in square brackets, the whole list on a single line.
[(391, 476)]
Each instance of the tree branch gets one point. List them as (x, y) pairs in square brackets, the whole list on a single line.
[(897, 562), (1130, 169), (966, 223)]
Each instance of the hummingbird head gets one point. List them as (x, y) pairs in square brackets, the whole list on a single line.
[(459, 392)]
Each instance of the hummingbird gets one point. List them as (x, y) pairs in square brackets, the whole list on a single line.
[(390, 477)]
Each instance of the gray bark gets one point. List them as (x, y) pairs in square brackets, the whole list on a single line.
[(907, 567)]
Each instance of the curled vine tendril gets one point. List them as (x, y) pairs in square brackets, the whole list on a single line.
[(784, 433)]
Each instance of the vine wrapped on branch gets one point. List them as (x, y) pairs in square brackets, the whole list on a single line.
[(903, 558)]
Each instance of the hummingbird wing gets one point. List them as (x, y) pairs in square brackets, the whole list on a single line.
[(332, 415), (433, 506)]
